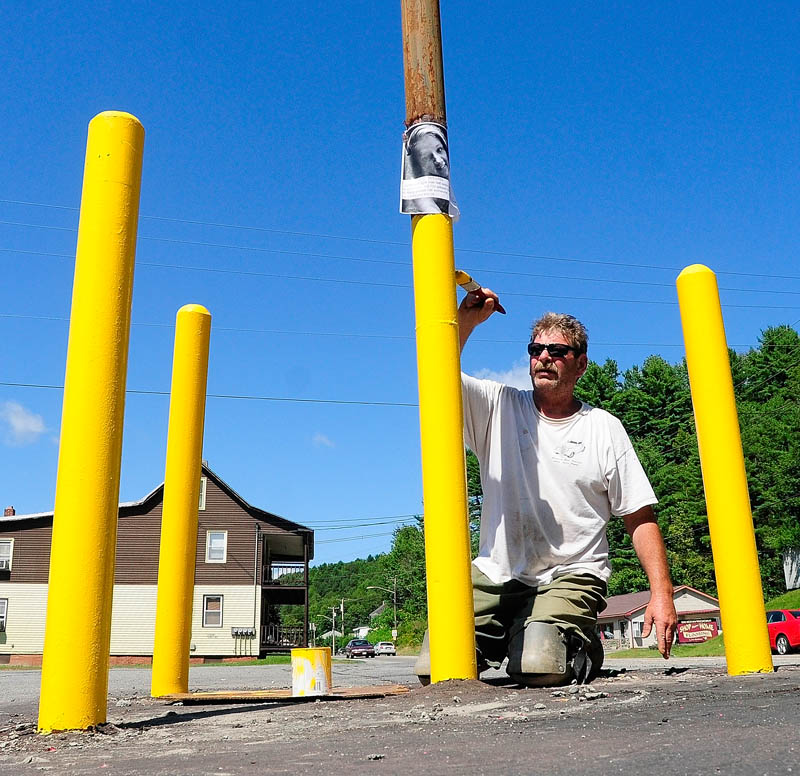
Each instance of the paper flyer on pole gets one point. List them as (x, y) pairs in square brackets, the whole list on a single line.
[(425, 185)]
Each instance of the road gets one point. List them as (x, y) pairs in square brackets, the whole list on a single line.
[(685, 716)]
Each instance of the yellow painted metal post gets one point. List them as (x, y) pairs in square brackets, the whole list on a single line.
[(447, 552), (78, 627), (730, 520), (181, 500)]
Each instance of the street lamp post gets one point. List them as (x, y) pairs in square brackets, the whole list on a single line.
[(332, 620)]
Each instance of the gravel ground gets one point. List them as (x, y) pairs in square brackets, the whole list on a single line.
[(682, 717)]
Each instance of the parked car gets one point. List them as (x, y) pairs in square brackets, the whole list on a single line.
[(359, 648), (784, 630), (385, 648)]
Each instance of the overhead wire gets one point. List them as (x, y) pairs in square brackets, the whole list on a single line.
[(350, 238), (243, 397), (481, 251), (407, 286)]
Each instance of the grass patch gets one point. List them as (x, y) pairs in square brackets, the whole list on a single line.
[(269, 660), (790, 600)]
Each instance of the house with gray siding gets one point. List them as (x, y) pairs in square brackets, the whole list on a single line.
[(249, 563)]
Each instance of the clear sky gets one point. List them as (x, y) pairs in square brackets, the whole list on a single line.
[(596, 149)]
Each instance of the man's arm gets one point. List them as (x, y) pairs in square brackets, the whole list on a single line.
[(649, 546), (474, 310)]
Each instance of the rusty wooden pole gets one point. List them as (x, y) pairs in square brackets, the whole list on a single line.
[(451, 628), (422, 62)]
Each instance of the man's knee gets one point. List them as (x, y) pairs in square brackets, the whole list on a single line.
[(542, 654)]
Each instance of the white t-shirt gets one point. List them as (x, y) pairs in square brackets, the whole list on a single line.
[(549, 486)]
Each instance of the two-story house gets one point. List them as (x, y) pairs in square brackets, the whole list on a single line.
[(249, 563)]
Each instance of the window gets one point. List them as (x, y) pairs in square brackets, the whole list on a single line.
[(6, 553), (203, 482), (637, 630), (3, 614), (216, 546), (212, 611)]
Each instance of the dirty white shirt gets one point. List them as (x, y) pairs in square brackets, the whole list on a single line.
[(549, 486)]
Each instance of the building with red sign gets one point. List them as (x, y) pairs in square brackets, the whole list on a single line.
[(620, 624)]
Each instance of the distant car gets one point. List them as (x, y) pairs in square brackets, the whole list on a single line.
[(359, 648), (385, 648), (784, 630)]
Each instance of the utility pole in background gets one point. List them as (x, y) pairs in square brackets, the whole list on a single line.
[(447, 550), (333, 630)]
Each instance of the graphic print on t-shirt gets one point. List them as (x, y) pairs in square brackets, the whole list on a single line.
[(569, 452)]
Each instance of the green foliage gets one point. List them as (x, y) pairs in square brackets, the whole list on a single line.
[(474, 500)]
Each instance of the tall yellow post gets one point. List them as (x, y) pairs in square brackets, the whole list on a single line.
[(451, 628), (78, 626), (730, 521), (181, 499)]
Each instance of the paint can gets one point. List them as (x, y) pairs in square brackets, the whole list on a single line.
[(311, 671)]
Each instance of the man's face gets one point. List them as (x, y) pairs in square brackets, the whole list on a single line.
[(431, 156), (561, 373)]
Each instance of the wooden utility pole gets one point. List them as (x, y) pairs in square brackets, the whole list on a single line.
[(451, 627), (422, 62)]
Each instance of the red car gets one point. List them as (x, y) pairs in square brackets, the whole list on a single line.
[(362, 648), (784, 630)]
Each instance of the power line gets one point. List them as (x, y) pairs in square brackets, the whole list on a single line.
[(406, 264), (242, 397), (353, 538), (480, 251), (408, 337), (407, 516), (374, 523), (539, 295)]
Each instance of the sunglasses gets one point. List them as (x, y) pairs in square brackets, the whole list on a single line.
[(535, 349)]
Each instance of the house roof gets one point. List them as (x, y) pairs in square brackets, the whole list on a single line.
[(626, 605), (380, 610), (133, 507)]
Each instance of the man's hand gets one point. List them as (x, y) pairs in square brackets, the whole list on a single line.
[(474, 309), (661, 613)]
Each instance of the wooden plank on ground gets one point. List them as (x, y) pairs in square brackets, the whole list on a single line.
[(256, 696)]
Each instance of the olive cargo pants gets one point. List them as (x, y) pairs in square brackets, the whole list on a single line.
[(571, 602)]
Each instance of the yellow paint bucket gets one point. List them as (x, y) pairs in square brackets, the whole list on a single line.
[(311, 671)]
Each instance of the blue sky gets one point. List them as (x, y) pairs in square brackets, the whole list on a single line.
[(596, 149)]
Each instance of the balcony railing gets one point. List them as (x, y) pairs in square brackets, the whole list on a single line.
[(285, 574), (281, 636)]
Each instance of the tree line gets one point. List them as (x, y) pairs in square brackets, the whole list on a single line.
[(653, 401)]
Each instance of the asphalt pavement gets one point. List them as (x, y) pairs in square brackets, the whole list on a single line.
[(682, 716)]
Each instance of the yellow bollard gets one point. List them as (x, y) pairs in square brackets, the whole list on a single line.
[(78, 626), (177, 557), (447, 551), (730, 521)]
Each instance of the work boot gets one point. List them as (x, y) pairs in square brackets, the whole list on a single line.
[(587, 657), (537, 656)]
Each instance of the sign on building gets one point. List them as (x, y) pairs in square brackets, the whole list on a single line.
[(694, 631)]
